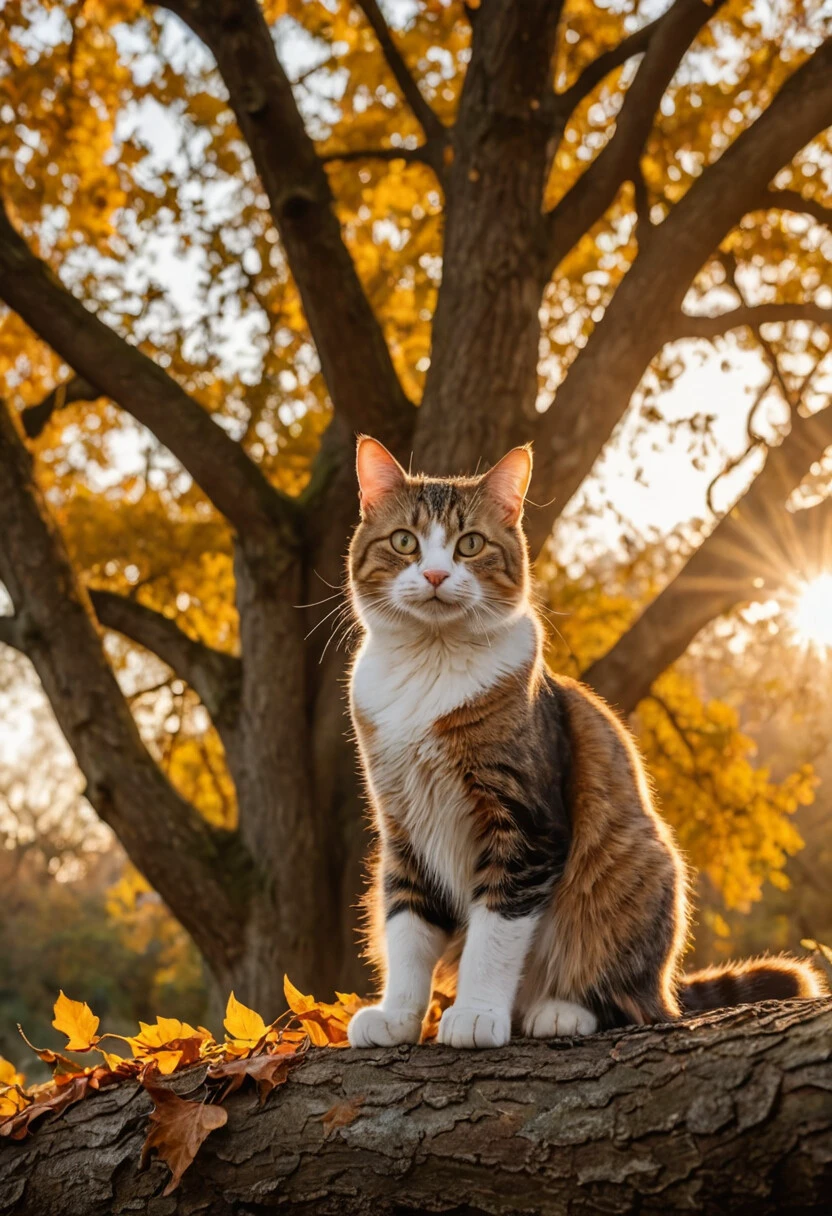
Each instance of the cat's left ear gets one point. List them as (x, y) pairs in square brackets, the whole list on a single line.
[(508, 483), (379, 473)]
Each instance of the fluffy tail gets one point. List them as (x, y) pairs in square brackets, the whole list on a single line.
[(772, 978)]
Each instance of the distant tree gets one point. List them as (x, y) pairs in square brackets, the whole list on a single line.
[(507, 211)]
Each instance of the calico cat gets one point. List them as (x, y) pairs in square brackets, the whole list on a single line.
[(514, 817)]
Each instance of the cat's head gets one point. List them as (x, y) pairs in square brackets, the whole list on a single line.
[(439, 551)]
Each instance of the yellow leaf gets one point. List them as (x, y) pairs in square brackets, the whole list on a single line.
[(77, 1021), (242, 1022), (297, 1002), (167, 1061), (9, 1074)]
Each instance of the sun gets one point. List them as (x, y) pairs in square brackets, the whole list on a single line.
[(812, 613)]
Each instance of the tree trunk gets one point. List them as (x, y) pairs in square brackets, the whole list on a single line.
[(726, 1113), (482, 382)]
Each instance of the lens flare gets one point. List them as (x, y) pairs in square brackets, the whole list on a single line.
[(812, 613)]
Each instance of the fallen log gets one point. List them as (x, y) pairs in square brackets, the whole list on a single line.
[(724, 1113)]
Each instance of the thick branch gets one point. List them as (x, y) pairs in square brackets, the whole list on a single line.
[(214, 676), (595, 190), (35, 417), (757, 539), (723, 1115), (355, 360), (793, 200), (430, 122), (642, 314), (710, 327), (220, 467), (194, 868)]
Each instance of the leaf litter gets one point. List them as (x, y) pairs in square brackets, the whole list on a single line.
[(252, 1051)]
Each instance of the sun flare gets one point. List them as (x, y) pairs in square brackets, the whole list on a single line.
[(812, 615)]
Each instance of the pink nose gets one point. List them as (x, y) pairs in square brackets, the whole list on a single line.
[(436, 577)]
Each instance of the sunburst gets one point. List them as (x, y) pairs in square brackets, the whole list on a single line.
[(812, 612)]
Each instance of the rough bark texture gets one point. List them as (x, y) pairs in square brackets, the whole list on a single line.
[(725, 1113)]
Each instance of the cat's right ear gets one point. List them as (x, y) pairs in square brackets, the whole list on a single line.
[(379, 473)]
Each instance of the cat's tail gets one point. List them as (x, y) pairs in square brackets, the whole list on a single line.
[(771, 978)]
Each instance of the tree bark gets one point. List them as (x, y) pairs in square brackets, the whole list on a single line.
[(482, 382), (725, 1113)]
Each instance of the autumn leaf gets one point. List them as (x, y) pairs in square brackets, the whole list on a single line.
[(62, 1067), (268, 1069), (9, 1074), (325, 1024), (242, 1023), (16, 1127), (12, 1100), (178, 1128), (77, 1021), (342, 1114)]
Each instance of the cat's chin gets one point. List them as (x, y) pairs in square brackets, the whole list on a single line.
[(439, 614)]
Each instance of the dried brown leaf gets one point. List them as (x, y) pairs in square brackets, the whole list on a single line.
[(178, 1128), (342, 1114)]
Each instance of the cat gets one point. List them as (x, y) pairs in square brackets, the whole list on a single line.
[(515, 820)]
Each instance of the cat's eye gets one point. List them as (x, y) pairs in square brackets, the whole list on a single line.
[(404, 542), (470, 544)]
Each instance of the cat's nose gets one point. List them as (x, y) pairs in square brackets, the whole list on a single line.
[(436, 577)]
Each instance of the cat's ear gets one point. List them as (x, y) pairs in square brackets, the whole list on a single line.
[(508, 482), (379, 473)]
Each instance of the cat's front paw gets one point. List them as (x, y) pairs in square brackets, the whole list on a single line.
[(378, 1027), (550, 1019), (461, 1027)]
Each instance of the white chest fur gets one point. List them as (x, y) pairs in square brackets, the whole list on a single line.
[(402, 687)]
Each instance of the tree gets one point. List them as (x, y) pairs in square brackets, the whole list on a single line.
[(595, 189), (727, 1113)]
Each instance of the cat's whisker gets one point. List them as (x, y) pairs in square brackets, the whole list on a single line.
[(325, 600), (337, 626), (337, 608), (326, 583)]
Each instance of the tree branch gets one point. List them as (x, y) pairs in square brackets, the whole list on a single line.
[(355, 360), (213, 675), (35, 417), (219, 466), (710, 327), (724, 1114), (592, 75), (756, 539), (428, 120), (585, 203), (410, 155), (10, 633), (793, 200), (197, 870), (642, 314)]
